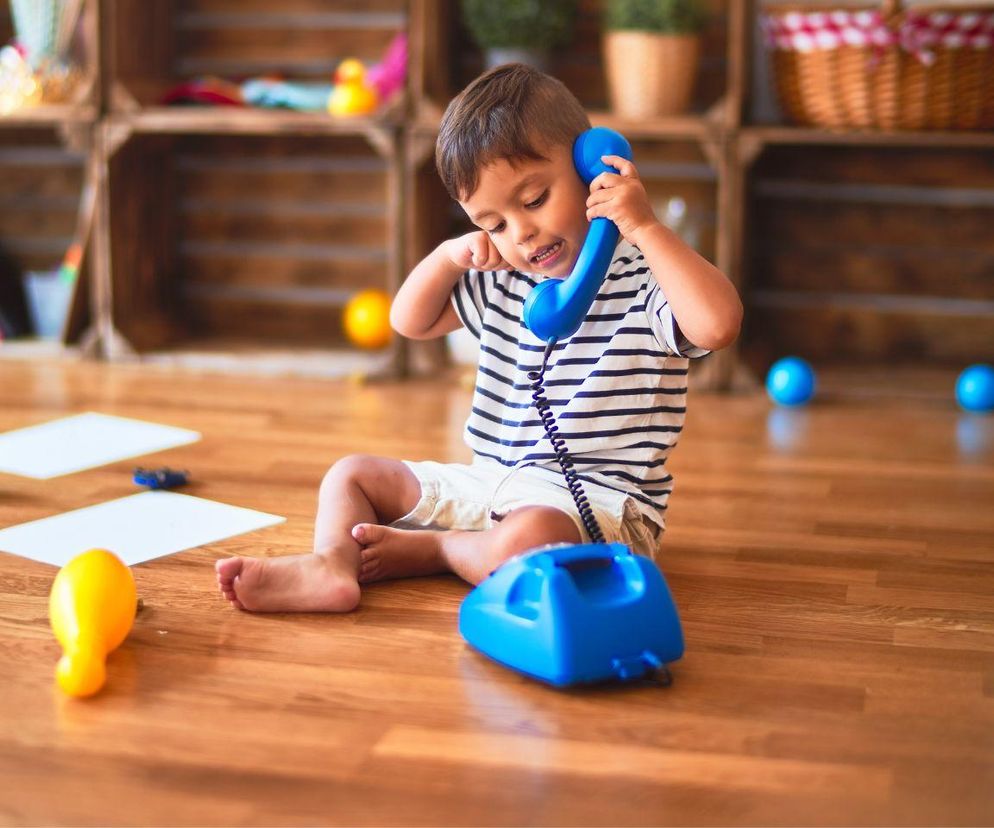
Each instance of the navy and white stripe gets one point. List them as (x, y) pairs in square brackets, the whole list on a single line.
[(617, 387)]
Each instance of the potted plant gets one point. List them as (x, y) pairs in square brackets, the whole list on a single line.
[(651, 52), (519, 31)]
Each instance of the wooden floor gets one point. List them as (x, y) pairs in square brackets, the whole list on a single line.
[(834, 568)]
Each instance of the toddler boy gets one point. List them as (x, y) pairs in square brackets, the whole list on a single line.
[(617, 387)]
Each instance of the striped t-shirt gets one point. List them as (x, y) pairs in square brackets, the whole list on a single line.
[(617, 387)]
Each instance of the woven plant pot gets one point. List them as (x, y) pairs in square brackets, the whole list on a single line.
[(649, 74), (884, 68)]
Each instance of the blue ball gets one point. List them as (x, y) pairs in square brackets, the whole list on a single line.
[(791, 381), (975, 388)]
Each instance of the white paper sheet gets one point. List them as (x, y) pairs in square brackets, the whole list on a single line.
[(136, 528), (84, 441)]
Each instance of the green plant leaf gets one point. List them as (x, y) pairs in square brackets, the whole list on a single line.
[(663, 16), (523, 24)]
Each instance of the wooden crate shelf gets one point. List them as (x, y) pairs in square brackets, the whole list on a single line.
[(46, 156), (444, 58), (225, 238), (153, 47), (871, 256), (41, 181), (237, 234)]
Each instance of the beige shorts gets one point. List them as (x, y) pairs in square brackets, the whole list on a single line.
[(475, 497)]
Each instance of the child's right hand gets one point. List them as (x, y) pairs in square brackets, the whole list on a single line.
[(475, 250)]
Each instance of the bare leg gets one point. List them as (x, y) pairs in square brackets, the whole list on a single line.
[(357, 489), (399, 553)]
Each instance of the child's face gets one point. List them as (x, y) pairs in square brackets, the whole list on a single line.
[(534, 211)]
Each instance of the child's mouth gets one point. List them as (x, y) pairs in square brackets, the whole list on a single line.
[(548, 256)]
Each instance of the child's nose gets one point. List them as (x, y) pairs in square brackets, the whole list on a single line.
[(524, 233)]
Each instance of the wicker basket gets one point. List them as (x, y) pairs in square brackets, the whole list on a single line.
[(885, 68)]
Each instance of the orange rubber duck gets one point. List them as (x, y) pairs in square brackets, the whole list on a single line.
[(352, 94), (91, 608)]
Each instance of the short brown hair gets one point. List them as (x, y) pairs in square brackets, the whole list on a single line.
[(513, 112)]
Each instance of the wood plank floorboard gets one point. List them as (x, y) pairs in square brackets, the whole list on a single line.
[(834, 569)]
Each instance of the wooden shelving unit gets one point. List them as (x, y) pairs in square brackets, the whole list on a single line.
[(229, 238), (47, 156), (687, 155), (274, 226), (254, 226)]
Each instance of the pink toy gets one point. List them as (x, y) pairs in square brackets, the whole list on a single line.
[(388, 76)]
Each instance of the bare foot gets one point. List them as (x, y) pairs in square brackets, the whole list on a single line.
[(397, 553), (296, 583)]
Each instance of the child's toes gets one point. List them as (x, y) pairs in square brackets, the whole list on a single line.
[(228, 569), (367, 533), (368, 570)]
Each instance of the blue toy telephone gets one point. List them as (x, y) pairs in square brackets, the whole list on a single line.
[(555, 308), (588, 612)]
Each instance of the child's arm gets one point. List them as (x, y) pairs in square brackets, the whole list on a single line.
[(704, 303), (421, 309)]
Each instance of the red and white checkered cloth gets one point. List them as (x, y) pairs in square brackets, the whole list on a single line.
[(918, 33)]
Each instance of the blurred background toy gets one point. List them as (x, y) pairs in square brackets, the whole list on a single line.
[(352, 95), (975, 389), (161, 478), (38, 68), (367, 319), (18, 87), (358, 89), (91, 608), (389, 75), (790, 381), (208, 90), (274, 93)]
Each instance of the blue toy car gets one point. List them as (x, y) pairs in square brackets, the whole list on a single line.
[(161, 478)]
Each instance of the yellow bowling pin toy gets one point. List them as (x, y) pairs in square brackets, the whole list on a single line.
[(92, 607)]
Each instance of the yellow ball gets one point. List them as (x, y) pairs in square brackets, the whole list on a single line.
[(367, 319)]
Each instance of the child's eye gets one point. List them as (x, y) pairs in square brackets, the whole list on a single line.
[(496, 229), (538, 202)]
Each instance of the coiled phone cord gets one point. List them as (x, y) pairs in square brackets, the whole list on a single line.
[(562, 453)]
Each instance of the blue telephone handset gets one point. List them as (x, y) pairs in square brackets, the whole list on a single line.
[(556, 308)]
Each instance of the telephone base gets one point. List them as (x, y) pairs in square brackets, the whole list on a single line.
[(575, 614)]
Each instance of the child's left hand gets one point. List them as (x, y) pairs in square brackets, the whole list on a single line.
[(621, 197)]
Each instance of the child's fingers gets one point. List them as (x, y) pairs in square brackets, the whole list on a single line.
[(624, 167), (596, 211), (599, 197), (605, 180), (478, 252), (489, 256), (498, 263), (493, 256)]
